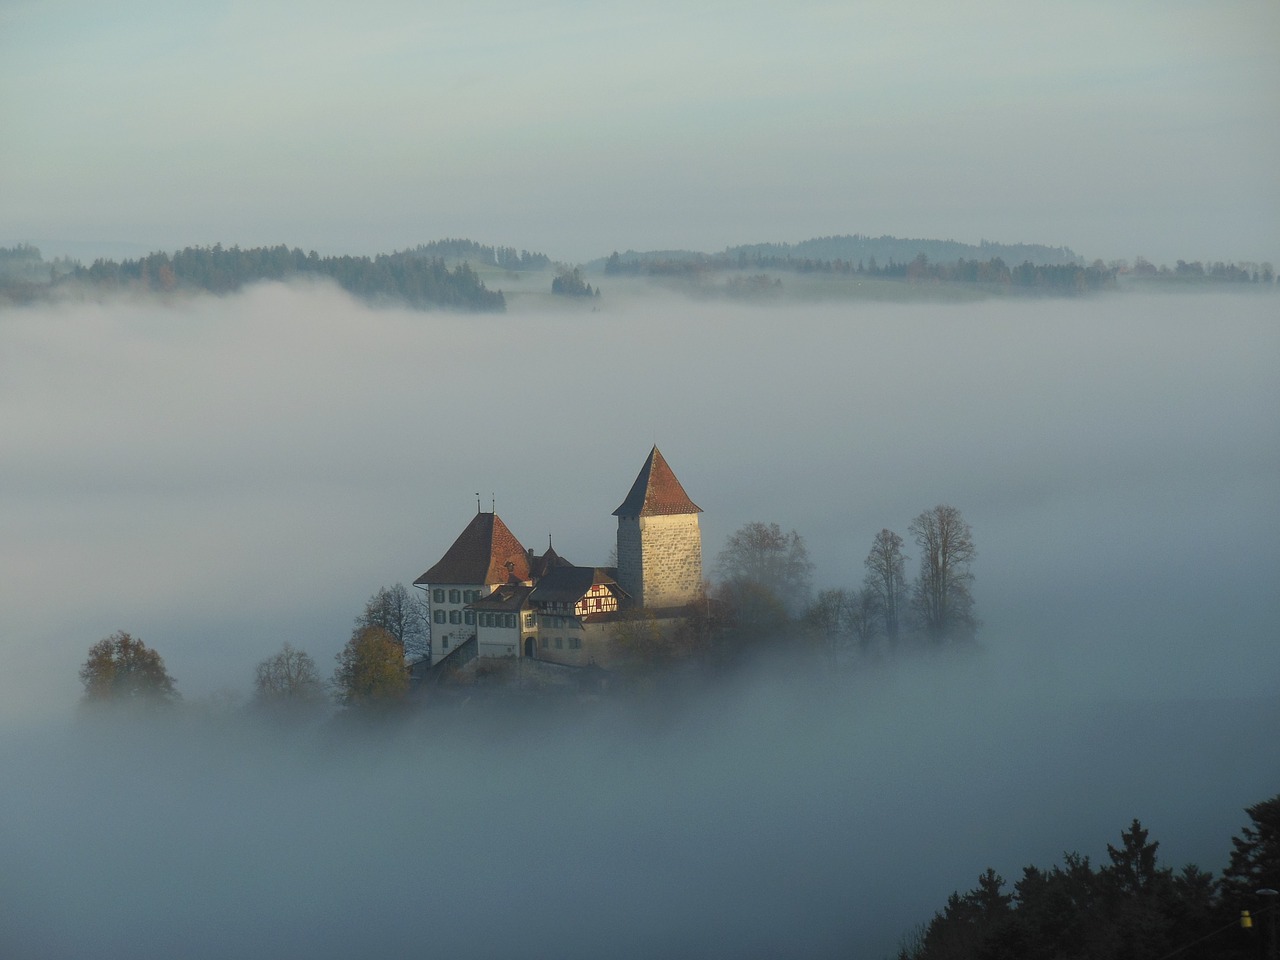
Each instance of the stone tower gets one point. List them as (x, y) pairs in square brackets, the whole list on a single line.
[(659, 543)]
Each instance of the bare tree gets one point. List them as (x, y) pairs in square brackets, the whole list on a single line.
[(845, 617), (941, 595), (761, 554), (886, 579), (288, 678), (402, 614), (864, 619)]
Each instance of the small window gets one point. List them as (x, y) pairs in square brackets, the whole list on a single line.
[(455, 596), (559, 643), (542, 642), (445, 643), (439, 616), (455, 616), (529, 619), (469, 617), (438, 594), (575, 643)]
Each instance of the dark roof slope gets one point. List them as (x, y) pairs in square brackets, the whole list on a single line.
[(656, 492), (569, 584), (485, 552), (540, 566), (506, 597)]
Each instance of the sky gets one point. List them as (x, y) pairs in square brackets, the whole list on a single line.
[(1117, 129)]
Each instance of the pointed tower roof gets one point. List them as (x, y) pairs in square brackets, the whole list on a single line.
[(656, 492), (485, 552)]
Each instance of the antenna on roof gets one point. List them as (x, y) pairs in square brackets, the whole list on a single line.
[(548, 541), (493, 503), (477, 501)]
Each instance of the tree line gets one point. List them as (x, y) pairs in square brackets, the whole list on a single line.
[(400, 277), (764, 586), (1059, 279), (508, 258), (569, 283), (1132, 907), (858, 246), (371, 671)]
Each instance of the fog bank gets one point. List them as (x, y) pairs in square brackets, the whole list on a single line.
[(779, 816), (221, 475)]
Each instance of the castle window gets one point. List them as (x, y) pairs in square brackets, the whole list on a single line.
[(559, 643), (439, 616), (455, 596), (575, 643), (438, 594), (445, 643), (510, 620), (469, 617), (455, 616), (542, 642), (529, 619)]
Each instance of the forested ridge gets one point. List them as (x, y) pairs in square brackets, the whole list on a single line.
[(410, 278), (1062, 278), (1133, 907), (442, 274)]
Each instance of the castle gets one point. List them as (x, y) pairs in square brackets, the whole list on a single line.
[(490, 597)]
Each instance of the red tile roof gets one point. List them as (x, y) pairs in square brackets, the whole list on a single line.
[(485, 552), (656, 492)]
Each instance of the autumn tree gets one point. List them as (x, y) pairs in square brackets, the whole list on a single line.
[(288, 679), (401, 613), (371, 670), (886, 580), (941, 596), (762, 555), (121, 669)]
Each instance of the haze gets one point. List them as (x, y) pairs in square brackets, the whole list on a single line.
[(1143, 128), (221, 475)]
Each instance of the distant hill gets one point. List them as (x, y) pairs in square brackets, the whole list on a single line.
[(411, 278), (850, 248), (855, 247)]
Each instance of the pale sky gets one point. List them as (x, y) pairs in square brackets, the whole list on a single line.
[(573, 128)]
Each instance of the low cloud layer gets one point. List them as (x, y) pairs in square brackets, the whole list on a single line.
[(219, 476), (779, 816)]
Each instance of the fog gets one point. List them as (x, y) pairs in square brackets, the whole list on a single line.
[(219, 476)]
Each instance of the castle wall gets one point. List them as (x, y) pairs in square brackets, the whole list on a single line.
[(660, 559), (630, 558), (672, 559)]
